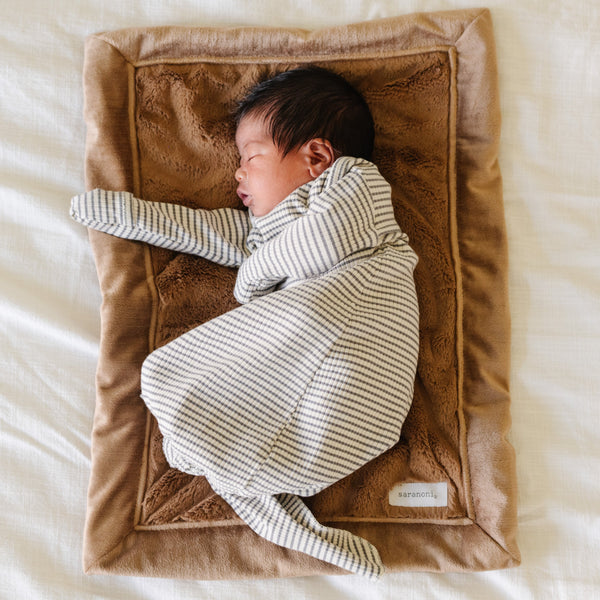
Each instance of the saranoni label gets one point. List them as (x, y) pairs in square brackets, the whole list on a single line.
[(419, 494)]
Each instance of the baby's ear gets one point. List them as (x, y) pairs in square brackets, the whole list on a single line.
[(320, 154)]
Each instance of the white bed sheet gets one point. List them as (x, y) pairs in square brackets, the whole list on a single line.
[(549, 65)]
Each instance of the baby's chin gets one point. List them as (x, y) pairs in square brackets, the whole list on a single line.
[(262, 211)]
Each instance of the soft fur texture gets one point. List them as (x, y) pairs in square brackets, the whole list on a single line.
[(158, 110)]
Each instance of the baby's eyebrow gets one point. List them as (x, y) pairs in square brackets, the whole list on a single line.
[(250, 142), (245, 147)]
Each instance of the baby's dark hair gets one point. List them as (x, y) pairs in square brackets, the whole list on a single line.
[(311, 102)]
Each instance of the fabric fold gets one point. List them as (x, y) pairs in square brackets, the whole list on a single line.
[(285, 520)]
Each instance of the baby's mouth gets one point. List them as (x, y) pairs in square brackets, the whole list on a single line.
[(245, 198)]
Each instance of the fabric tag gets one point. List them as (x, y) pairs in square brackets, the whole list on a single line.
[(419, 494)]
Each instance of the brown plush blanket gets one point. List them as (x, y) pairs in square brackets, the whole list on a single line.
[(158, 110)]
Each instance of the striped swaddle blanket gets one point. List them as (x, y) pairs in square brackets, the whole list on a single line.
[(312, 376)]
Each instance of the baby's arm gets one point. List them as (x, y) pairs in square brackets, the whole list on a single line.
[(218, 235)]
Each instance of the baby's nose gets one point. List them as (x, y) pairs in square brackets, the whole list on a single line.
[(239, 174)]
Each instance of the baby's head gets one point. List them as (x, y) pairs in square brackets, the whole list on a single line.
[(292, 127)]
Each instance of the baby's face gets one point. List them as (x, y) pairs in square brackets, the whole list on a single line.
[(264, 176)]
